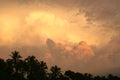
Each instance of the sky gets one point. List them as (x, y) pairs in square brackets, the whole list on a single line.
[(80, 35)]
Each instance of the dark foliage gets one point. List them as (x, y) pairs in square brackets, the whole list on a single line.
[(30, 68)]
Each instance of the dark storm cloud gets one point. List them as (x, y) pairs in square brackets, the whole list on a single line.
[(106, 12)]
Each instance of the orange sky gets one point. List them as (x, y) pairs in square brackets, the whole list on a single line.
[(27, 24), (51, 22)]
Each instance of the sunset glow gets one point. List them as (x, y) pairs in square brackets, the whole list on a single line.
[(75, 32)]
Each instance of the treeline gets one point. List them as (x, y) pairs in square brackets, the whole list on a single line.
[(30, 68)]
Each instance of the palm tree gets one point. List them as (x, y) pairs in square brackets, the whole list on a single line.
[(31, 67), (42, 70), (16, 66), (55, 73), (15, 60)]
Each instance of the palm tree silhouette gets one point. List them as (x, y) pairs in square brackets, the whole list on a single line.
[(55, 73), (15, 65), (31, 69), (36, 70), (15, 60), (43, 70)]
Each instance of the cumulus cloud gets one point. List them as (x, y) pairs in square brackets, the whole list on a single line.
[(69, 54)]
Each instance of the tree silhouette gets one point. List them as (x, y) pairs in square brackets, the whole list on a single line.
[(2, 69), (88, 76), (70, 74), (43, 70), (35, 70), (55, 73), (15, 63), (30, 68)]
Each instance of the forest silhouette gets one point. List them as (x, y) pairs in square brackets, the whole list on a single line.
[(17, 68)]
